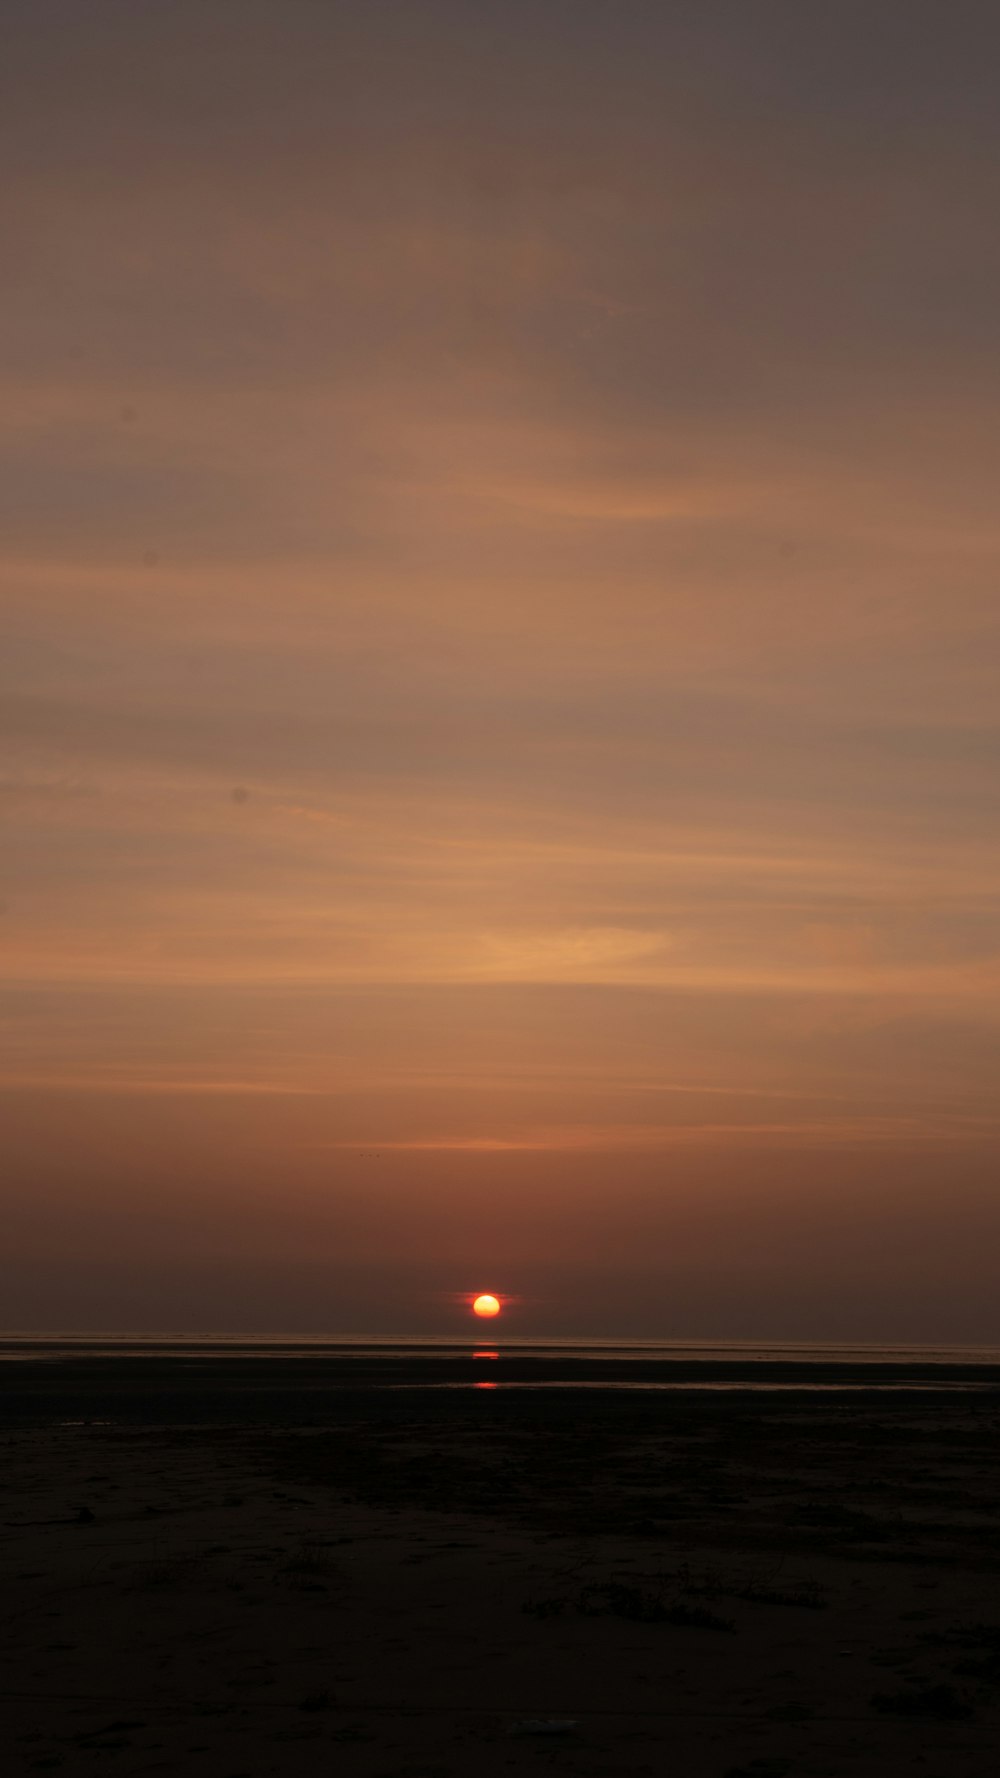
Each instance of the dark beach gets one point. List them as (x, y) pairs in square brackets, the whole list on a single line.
[(299, 1563)]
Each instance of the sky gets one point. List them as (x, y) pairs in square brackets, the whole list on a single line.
[(499, 684)]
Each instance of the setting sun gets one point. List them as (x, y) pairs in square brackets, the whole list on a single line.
[(486, 1305)]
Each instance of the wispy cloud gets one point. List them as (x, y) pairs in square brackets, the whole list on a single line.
[(499, 585)]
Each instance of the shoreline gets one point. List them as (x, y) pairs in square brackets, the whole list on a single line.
[(176, 1389)]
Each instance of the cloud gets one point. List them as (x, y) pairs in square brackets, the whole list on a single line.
[(548, 465)]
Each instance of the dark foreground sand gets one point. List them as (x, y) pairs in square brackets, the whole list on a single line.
[(251, 1569)]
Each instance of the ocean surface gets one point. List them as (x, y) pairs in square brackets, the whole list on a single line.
[(446, 1362)]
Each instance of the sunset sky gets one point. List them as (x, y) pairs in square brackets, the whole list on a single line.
[(500, 707)]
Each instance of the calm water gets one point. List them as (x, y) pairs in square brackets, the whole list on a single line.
[(518, 1362)]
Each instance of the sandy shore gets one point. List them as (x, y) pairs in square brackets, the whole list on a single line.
[(242, 1570)]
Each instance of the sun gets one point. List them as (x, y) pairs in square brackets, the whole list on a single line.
[(486, 1305)]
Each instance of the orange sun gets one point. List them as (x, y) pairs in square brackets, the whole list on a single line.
[(486, 1305)]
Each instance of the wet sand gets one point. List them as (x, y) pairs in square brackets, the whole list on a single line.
[(239, 1566)]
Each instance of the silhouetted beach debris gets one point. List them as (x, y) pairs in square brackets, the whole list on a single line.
[(941, 1701), (980, 1643), (544, 1725), (638, 1604), (761, 1768), (82, 1516), (762, 1588), (316, 1701)]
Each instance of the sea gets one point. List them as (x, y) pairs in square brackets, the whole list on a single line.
[(518, 1362)]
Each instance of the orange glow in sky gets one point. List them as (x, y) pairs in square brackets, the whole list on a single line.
[(498, 696), (486, 1305)]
